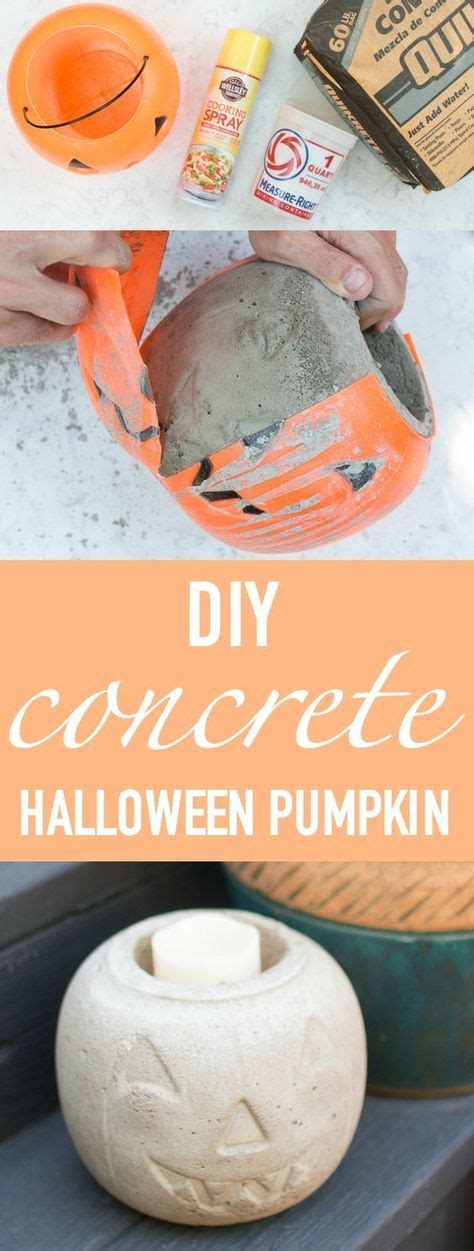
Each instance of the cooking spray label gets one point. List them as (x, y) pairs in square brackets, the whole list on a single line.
[(296, 172), (218, 135)]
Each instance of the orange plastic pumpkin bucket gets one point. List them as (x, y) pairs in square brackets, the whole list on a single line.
[(93, 88), (317, 475)]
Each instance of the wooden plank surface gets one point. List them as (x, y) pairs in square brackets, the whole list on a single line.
[(33, 896), (407, 1157)]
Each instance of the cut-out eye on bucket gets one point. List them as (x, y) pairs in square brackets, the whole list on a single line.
[(79, 165), (93, 88), (358, 472)]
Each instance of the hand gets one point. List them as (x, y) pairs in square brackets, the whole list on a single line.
[(37, 304), (360, 265)]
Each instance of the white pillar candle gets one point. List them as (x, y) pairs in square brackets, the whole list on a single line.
[(206, 948)]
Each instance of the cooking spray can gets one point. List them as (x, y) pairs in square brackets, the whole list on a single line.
[(227, 106)]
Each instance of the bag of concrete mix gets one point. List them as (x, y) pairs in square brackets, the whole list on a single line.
[(401, 73)]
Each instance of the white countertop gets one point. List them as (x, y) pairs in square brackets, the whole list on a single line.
[(365, 194), (68, 490)]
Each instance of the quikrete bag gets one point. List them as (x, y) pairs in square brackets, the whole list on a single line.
[(401, 72)]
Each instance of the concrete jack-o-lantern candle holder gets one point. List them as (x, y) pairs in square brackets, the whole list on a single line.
[(93, 88), (258, 403), (211, 1105), (404, 933)]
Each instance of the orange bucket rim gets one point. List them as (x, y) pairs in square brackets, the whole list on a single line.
[(131, 30)]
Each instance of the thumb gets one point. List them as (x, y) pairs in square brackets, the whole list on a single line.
[(102, 248), (336, 269)]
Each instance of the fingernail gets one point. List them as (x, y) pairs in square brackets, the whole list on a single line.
[(355, 280)]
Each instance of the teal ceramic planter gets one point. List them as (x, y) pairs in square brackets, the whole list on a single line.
[(416, 992)]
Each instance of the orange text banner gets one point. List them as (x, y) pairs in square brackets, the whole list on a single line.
[(240, 710)]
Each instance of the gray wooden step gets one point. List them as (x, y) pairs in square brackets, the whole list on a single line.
[(402, 1187)]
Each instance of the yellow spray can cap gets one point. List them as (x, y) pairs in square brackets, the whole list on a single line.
[(244, 51)]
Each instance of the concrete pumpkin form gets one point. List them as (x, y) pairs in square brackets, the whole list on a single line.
[(257, 344), (257, 402), (211, 1106)]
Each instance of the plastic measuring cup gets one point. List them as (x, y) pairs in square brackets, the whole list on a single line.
[(302, 159)]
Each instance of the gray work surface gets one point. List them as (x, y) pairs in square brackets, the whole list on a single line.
[(394, 1190)]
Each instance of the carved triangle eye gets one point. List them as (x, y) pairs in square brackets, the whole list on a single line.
[(243, 1133), (318, 1051), (145, 1070)]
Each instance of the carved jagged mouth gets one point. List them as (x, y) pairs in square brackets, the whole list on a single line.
[(210, 1196)]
